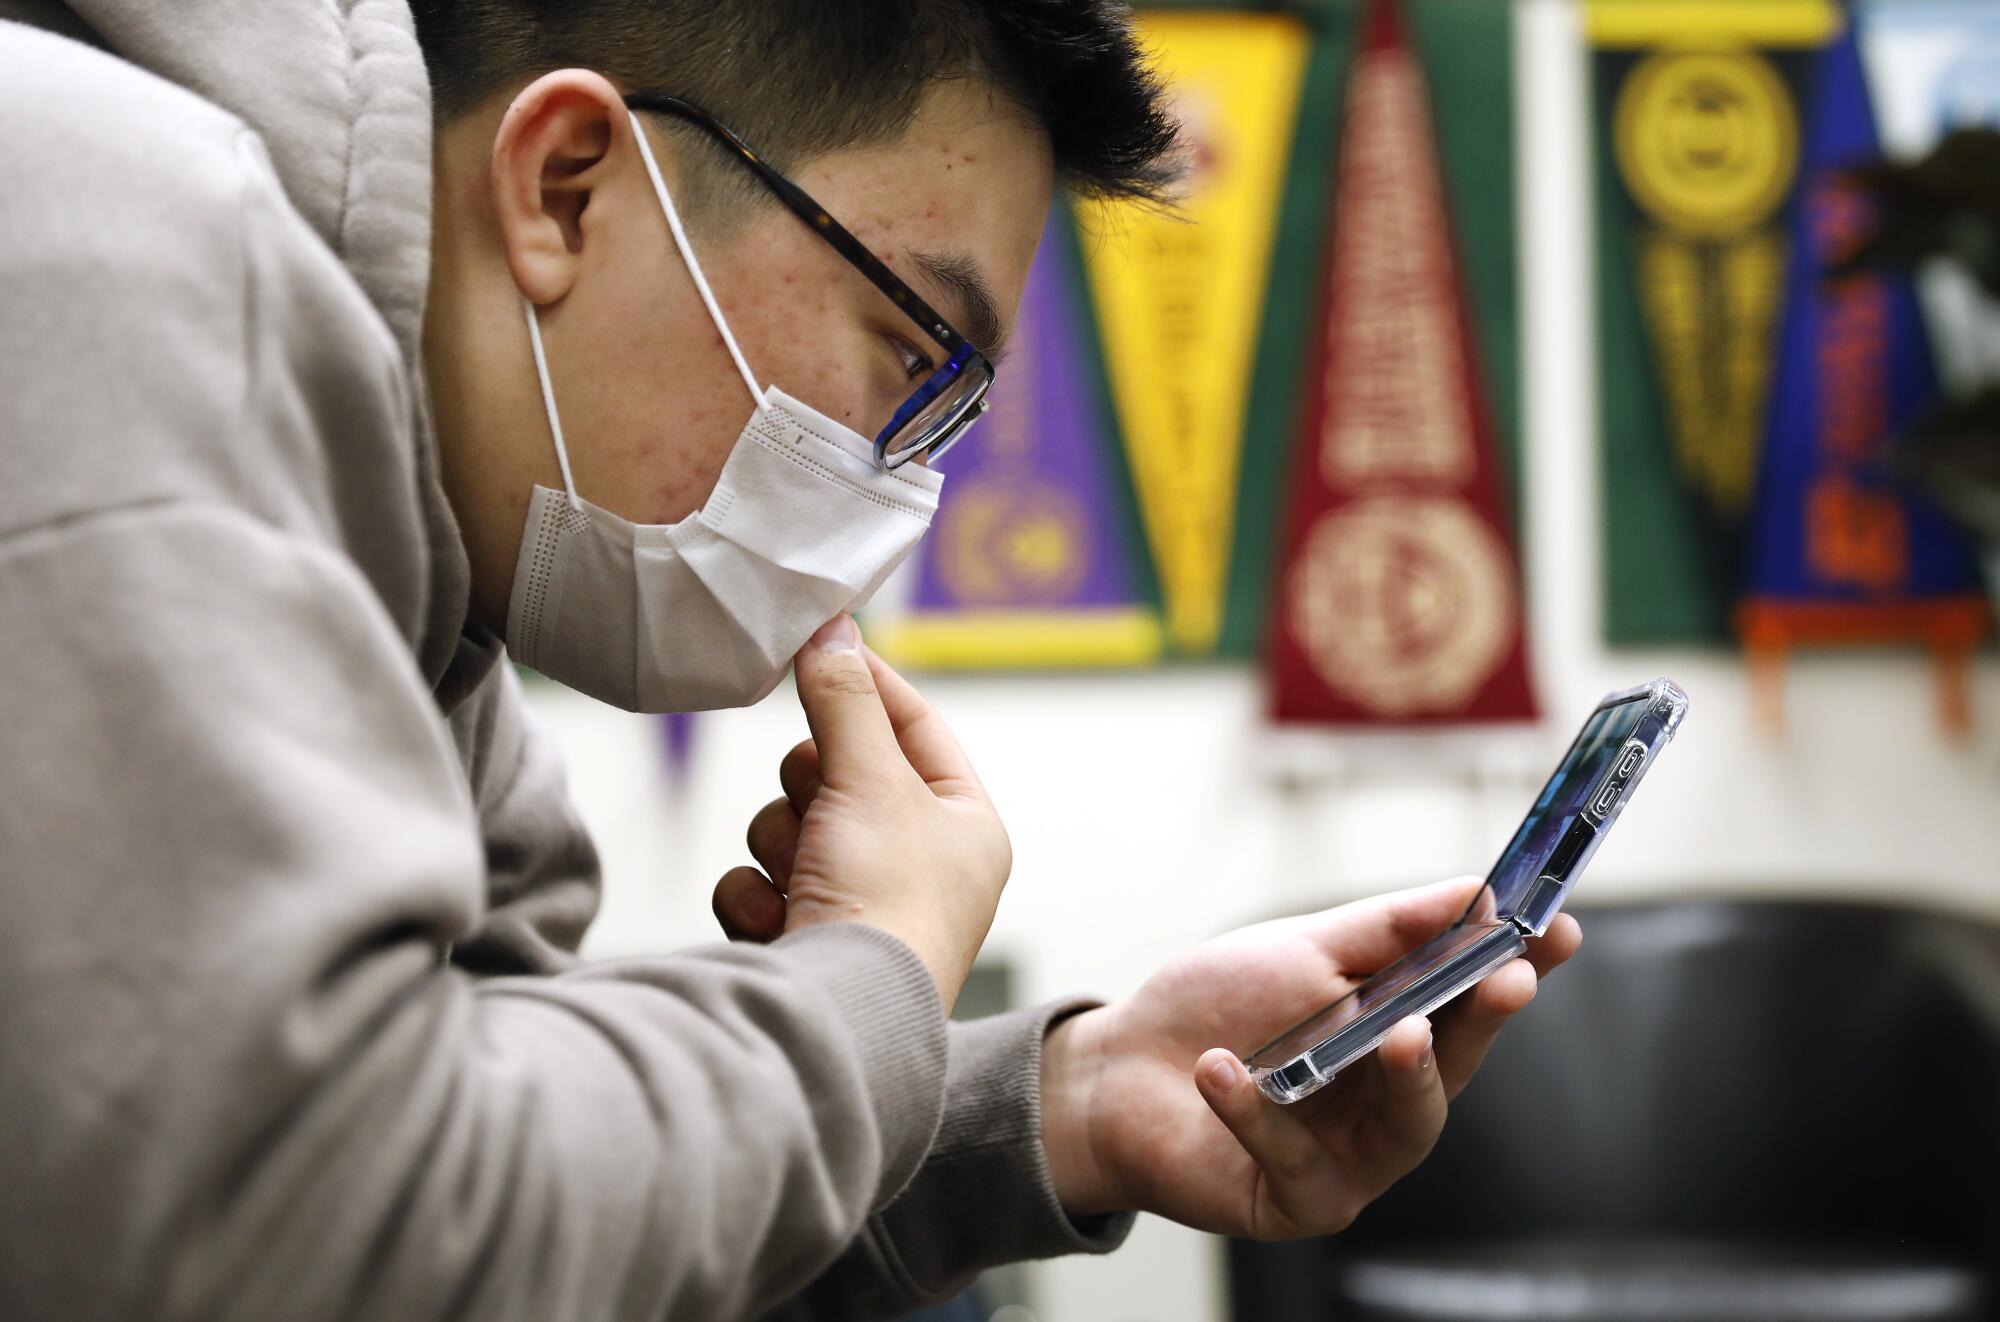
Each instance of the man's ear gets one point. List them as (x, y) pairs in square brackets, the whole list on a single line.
[(555, 144)]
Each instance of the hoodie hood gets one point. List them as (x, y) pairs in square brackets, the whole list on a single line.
[(337, 90)]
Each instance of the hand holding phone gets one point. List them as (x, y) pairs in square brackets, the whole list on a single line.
[(1124, 1131), (1622, 738)]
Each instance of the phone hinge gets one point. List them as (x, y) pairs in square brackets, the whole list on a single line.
[(1545, 889)]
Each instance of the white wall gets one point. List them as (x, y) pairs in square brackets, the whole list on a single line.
[(1149, 811)]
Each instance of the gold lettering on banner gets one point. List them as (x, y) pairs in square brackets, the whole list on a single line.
[(1404, 603), (1707, 143), (1710, 308), (1395, 379)]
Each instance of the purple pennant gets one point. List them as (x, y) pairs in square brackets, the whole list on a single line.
[(677, 744), (1031, 520)]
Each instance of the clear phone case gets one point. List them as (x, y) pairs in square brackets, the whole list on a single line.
[(1597, 777)]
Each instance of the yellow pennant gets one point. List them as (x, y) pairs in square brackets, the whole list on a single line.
[(1179, 296)]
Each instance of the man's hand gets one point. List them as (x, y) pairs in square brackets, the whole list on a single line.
[(1145, 1107), (882, 821)]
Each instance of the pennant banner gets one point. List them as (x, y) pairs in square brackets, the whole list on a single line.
[(1179, 296), (677, 743), (1708, 147), (1841, 551), (1702, 163), (1033, 558), (1467, 47), (1400, 595)]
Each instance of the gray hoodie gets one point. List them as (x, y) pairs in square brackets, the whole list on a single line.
[(291, 1022)]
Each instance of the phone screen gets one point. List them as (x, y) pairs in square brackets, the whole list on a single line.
[(1566, 795)]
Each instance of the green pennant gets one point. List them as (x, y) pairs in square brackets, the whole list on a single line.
[(1657, 586), (1690, 248)]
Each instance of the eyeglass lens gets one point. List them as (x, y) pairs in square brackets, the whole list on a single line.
[(942, 418)]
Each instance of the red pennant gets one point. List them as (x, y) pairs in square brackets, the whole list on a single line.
[(1401, 600)]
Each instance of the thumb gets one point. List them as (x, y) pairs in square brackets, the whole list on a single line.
[(837, 690)]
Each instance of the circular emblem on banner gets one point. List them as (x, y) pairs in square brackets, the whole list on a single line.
[(1404, 604), (1012, 540), (1708, 141)]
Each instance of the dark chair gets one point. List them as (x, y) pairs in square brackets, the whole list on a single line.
[(1717, 1111), (968, 1307)]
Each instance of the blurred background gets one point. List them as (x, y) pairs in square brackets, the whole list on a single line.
[(1502, 353)]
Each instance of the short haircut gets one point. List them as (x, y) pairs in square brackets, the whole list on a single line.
[(801, 78)]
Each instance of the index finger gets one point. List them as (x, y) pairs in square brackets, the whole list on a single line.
[(1468, 1026), (1368, 935), (926, 740)]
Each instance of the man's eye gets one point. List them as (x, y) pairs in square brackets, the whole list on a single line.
[(915, 365)]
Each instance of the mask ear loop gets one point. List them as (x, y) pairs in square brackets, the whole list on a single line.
[(549, 400), (693, 266)]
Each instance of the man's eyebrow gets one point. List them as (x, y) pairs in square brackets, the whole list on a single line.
[(958, 274)]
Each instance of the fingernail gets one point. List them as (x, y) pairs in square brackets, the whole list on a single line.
[(1424, 1059), (1222, 1074), (837, 635)]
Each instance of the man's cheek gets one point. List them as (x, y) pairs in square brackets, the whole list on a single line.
[(847, 388), (681, 462)]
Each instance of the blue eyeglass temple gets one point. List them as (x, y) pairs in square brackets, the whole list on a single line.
[(936, 384)]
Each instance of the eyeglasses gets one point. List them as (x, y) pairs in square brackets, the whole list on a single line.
[(953, 397)]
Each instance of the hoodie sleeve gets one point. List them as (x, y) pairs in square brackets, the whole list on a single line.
[(983, 1196), (240, 1082)]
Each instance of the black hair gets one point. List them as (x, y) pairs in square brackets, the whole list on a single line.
[(799, 78)]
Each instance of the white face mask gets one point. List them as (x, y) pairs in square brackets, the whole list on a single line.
[(708, 612)]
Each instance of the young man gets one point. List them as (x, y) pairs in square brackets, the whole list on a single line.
[(315, 404)]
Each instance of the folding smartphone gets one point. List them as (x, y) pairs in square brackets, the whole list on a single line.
[(1521, 897)]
